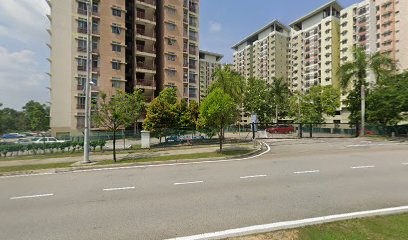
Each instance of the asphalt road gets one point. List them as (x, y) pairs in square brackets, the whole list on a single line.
[(295, 180)]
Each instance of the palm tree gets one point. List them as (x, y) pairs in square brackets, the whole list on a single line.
[(355, 72), (279, 93), (230, 82)]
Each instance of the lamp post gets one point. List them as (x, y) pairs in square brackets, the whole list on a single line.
[(88, 81)]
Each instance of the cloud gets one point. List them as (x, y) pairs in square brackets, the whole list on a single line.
[(215, 27), (21, 79), (23, 20)]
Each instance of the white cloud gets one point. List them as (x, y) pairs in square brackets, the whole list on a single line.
[(215, 27), (20, 79)]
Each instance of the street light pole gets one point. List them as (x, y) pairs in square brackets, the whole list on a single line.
[(88, 81)]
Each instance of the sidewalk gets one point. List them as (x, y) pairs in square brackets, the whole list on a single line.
[(122, 156)]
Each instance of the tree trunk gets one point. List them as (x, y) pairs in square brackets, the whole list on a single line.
[(221, 136), (114, 145), (362, 130)]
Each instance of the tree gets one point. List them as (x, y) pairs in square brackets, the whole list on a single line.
[(116, 113), (314, 105), (356, 72), (188, 114), (11, 120), (217, 111), (137, 106), (161, 114), (279, 94), (255, 98), (36, 116), (230, 82)]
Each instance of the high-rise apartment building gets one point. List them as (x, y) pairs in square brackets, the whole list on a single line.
[(144, 44), (314, 48), (209, 63), (263, 54)]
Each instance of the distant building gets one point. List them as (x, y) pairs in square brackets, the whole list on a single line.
[(209, 63)]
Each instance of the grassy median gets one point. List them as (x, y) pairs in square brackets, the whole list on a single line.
[(393, 227), (25, 168)]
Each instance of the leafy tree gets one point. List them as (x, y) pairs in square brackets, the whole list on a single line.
[(116, 113), (279, 94), (255, 98), (217, 111), (36, 116), (137, 106), (188, 114), (355, 72), (230, 82), (11, 120), (161, 114), (314, 105), (388, 100)]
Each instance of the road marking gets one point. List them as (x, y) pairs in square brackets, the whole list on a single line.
[(117, 189), (310, 171), (146, 166), (185, 183), (405, 163), (292, 224), (361, 167), (254, 176), (33, 196)]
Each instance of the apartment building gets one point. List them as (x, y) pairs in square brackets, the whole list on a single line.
[(209, 63), (314, 48), (138, 44), (263, 54)]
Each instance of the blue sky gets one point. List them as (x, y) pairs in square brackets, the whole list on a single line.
[(23, 38)]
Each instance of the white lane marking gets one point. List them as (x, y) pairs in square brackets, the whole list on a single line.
[(254, 176), (405, 163), (361, 167), (185, 183), (310, 171), (146, 166), (117, 189), (292, 224), (33, 196)]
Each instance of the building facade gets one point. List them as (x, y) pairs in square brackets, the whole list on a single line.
[(137, 44), (209, 63)]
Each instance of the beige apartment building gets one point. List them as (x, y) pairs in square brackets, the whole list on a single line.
[(137, 44), (209, 63), (262, 55)]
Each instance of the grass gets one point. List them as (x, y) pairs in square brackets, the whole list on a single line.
[(393, 227), (181, 157), (34, 167)]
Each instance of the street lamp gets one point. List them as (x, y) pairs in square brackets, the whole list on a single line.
[(88, 81)]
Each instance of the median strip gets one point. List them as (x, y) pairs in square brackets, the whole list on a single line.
[(32, 196)]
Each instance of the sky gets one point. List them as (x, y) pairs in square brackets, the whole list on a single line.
[(23, 38)]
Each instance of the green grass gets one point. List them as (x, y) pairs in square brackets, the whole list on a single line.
[(181, 157), (393, 227), (34, 167)]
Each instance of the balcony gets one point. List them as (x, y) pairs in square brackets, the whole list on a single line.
[(81, 49), (145, 83), (82, 30), (144, 16), (145, 49), (82, 11), (142, 65), (151, 3), (144, 33), (193, 38), (80, 106), (80, 87), (81, 68)]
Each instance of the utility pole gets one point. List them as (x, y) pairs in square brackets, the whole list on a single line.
[(88, 80)]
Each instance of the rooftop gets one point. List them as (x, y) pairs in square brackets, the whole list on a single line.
[(255, 34), (217, 55)]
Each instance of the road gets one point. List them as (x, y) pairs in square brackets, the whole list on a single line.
[(295, 180)]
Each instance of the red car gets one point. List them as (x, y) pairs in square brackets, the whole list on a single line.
[(282, 129)]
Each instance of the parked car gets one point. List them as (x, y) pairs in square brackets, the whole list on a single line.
[(281, 129), (24, 141), (13, 135), (39, 140)]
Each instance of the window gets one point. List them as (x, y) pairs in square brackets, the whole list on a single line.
[(82, 26), (171, 26), (171, 11), (116, 12), (116, 30), (171, 57), (116, 83), (171, 41), (81, 45), (116, 47), (115, 65), (95, 79), (171, 72)]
